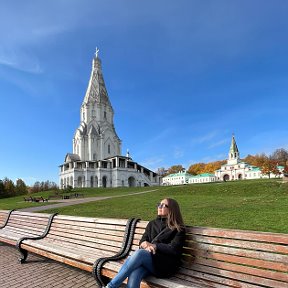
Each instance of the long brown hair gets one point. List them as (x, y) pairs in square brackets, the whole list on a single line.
[(174, 217)]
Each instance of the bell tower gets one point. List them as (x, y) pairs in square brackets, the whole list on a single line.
[(96, 138), (234, 156)]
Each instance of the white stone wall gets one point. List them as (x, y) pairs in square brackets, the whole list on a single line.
[(203, 179)]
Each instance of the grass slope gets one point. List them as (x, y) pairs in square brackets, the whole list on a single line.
[(260, 205)]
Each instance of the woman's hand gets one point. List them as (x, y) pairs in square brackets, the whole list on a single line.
[(151, 248), (148, 246)]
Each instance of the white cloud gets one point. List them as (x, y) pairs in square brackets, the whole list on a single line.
[(153, 163), (219, 143), (178, 153), (20, 60)]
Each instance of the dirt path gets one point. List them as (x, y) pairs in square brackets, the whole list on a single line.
[(68, 202)]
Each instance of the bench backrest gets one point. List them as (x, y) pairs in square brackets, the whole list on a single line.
[(104, 235), (3, 217), (24, 224), (231, 258)]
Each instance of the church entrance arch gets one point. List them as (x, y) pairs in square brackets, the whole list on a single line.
[(104, 182), (226, 177), (79, 181), (240, 177), (91, 181), (131, 182)]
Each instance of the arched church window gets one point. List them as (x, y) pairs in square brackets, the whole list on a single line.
[(105, 115), (94, 156), (108, 148), (83, 116)]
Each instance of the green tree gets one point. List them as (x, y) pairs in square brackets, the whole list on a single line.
[(9, 187), (2, 189), (21, 187)]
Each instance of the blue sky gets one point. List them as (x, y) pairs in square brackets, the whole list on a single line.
[(182, 76)]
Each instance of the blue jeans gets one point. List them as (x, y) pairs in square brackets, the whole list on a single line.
[(136, 267)]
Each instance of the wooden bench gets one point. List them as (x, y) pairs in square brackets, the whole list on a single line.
[(222, 258), (82, 242), (212, 257), (28, 199)]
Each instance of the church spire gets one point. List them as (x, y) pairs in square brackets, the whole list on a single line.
[(96, 138), (96, 91), (234, 155)]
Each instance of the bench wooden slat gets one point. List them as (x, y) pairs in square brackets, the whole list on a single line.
[(239, 260), (246, 280), (87, 220), (240, 234), (56, 257), (111, 231), (243, 253), (241, 269), (81, 255), (240, 244)]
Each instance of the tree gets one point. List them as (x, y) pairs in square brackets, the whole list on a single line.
[(196, 169), (256, 160), (162, 171), (269, 167), (43, 186), (9, 187), (2, 189), (285, 171), (200, 168), (21, 187), (280, 156), (175, 169)]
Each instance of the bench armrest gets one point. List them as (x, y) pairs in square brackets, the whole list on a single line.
[(23, 252), (126, 246)]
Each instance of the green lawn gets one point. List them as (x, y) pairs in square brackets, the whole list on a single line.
[(251, 205)]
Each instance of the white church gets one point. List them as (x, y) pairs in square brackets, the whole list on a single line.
[(96, 160), (235, 169)]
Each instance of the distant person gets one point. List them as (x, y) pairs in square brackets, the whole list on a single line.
[(160, 248)]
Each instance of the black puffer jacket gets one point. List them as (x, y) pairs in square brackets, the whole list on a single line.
[(169, 246)]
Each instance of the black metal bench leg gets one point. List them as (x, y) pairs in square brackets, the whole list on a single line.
[(23, 255)]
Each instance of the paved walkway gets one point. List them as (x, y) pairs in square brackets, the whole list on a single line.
[(69, 202)]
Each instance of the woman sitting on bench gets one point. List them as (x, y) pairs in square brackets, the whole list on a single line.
[(160, 248)]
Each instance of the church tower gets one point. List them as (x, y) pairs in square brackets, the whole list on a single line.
[(234, 156), (96, 160), (96, 138)]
